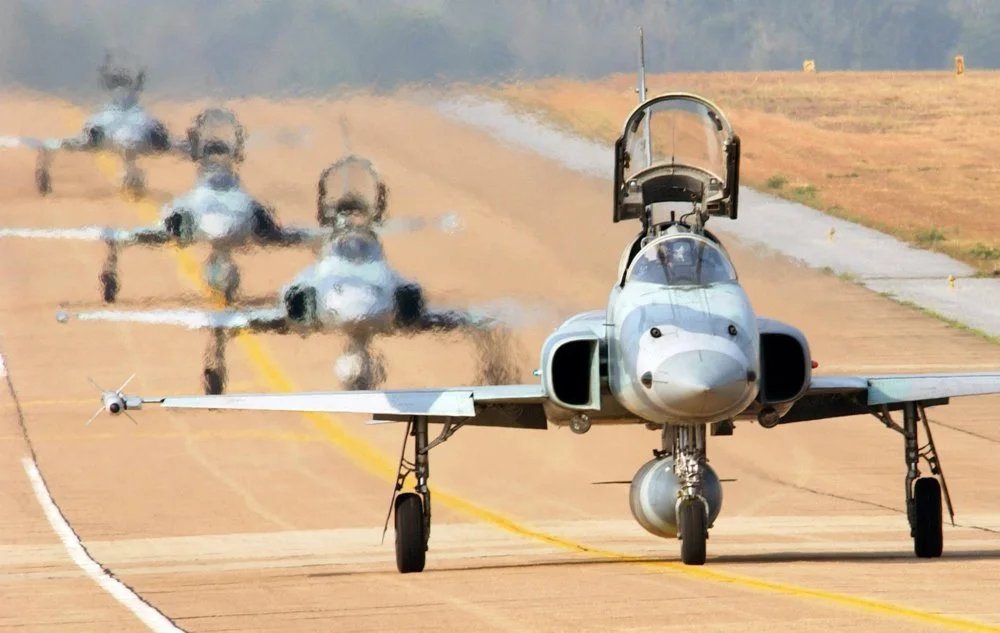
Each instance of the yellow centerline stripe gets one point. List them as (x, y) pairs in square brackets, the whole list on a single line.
[(368, 458)]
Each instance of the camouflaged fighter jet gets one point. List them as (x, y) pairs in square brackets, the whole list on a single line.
[(122, 127), (351, 289), (218, 211), (678, 349)]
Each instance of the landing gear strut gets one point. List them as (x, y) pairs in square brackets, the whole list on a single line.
[(412, 510), (687, 445), (214, 374), (109, 274), (43, 178), (923, 494), (134, 182)]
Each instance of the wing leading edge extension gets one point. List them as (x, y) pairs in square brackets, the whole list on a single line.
[(141, 235), (839, 396), (507, 406), (260, 320)]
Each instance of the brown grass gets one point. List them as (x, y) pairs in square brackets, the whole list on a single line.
[(907, 153)]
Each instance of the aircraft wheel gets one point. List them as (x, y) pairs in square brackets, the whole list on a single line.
[(214, 382), (109, 287), (693, 532), (928, 537), (411, 546), (43, 181)]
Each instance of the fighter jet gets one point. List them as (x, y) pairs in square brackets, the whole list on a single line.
[(219, 212), (678, 348), (122, 127), (351, 289)]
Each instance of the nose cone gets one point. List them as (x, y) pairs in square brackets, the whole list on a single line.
[(354, 303), (702, 384), (215, 225)]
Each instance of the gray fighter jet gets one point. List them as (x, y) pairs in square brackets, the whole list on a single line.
[(678, 348), (122, 127), (351, 289), (219, 212)]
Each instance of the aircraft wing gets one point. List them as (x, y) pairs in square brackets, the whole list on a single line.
[(295, 236), (261, 320), (505, 406), (837, 396), (14, 142), (142, 235), (447, 222)]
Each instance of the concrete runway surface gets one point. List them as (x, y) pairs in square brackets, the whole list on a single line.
[(272, 521)]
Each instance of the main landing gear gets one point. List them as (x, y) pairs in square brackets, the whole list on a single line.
[(412, 510), (923, 494)]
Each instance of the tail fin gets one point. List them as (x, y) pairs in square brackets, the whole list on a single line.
[(641, 88)]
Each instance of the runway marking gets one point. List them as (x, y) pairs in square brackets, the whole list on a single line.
[(366, 456), (148, 614)]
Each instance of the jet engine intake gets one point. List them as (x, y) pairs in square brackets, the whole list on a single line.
[(263, 224), (179, 225), (95, 136), (652, 496), (300, 304), (571, 370), (409, 301), (159, 137), (786, 366)]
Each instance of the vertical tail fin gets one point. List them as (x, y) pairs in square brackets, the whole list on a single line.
[(641, 90)]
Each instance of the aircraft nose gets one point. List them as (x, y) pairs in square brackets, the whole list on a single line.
[(354, 302), (701, 383)]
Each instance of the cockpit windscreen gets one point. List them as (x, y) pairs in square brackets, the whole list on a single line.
[(357, 247), (681, 261)]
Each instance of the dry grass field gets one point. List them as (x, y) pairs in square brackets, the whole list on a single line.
[(906, 153)]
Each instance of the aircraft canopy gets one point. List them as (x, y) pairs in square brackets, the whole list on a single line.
[(681, 260), (676, 147)]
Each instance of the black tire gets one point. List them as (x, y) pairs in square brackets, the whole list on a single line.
[(411, 546), (214, 382), (109, 287), (928, 536), (693, 533)]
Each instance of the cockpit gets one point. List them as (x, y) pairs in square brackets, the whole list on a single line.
[(216, 138), (677, 148), (356, 246), (351, 192), (681, 260)]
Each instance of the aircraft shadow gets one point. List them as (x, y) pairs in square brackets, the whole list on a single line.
[(771, 558)]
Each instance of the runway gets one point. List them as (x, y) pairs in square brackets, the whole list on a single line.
[(272, 521)]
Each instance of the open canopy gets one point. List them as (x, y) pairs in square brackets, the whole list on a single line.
[(676, 147)]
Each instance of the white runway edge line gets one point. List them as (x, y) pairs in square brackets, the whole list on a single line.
[(149, 616)]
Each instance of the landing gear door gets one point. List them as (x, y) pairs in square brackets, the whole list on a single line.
[(680, 148)]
